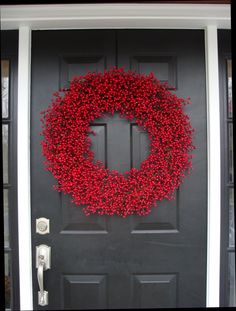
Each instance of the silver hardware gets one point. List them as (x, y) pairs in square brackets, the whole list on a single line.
[(43, 263), (42, 225)]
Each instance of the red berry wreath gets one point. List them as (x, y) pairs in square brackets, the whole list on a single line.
[(66, 144)]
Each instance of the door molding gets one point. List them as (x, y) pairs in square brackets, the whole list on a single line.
[(214, 167), (23, 165), (100, 16)]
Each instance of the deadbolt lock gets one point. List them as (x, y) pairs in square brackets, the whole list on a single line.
[(42, 225)]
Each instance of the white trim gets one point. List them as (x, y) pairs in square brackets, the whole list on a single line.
[(214, 176), (23, 165), (97, 16)]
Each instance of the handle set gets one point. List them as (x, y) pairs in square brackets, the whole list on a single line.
[(43, 263)]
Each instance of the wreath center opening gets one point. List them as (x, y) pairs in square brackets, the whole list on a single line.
[(118, 143)]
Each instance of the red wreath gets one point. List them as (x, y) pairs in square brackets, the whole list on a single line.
[(66, 144)]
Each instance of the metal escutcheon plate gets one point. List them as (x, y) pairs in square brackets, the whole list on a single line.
[(42, 225), (45, 251), (43, 299)]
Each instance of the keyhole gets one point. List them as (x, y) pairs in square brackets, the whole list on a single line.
[(42, 226)]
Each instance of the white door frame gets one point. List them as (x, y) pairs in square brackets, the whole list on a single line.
[(110, 16)]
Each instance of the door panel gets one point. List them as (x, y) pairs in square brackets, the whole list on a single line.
[(78, 64), (154, 261), (162, 65), (91, 287), (162, 286)]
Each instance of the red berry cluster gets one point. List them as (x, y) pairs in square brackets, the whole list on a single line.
[(66, 144)]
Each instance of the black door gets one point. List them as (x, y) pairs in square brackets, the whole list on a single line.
[(153, 261)]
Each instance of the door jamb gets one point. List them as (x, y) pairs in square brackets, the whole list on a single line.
[(23, 165), (213, 167)]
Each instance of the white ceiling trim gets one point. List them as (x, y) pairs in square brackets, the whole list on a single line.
[(102, 16)]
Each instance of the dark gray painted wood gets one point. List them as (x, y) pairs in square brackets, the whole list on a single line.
[(224, 39), (9, 50), (107, 262)]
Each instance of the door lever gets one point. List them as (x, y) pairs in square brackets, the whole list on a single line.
[(43, 263)]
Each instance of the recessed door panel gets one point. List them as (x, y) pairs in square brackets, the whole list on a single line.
[(73, 219), (163, 67), (76, 65), (161, 286), (91, 288)]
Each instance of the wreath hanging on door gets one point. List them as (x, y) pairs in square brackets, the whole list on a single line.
[(66, 143)]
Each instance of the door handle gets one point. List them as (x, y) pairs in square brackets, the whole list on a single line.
[(43, 263)]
